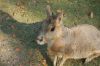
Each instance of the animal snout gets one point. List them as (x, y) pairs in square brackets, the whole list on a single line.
[(40, 40)]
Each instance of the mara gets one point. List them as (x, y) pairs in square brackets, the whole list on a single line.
[(81, 41)]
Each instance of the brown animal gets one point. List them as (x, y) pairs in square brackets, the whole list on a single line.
[(82, 41)]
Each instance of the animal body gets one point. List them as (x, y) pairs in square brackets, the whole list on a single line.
[(81, 41)]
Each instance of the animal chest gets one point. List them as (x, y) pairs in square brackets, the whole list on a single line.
[(56, 47)]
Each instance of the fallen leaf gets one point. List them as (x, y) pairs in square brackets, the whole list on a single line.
[(44, 62), (20, 65), (17, 49)]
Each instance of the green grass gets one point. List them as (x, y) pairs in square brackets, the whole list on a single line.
[(20, 22)]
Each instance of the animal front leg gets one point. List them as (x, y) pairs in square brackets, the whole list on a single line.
[(63, 60), (55, 61)]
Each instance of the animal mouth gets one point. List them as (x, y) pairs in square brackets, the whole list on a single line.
[(41, 42), (40, 39)]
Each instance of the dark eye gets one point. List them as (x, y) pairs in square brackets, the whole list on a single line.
[(53, 28), (60, 19)]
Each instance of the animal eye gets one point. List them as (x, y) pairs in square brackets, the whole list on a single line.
[(53, 28), (59, 19)]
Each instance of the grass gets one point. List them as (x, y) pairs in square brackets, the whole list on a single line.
[(20, 23)]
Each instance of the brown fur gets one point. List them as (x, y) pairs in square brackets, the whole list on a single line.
[(82, 41)]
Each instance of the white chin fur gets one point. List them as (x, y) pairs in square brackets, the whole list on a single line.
[(40, 42)]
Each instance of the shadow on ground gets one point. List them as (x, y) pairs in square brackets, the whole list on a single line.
[(25, 34)]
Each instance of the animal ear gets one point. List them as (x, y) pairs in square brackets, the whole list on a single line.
[(48, 11), (59, 18), (60, 15)]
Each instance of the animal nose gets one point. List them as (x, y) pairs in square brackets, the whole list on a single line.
[(40, 39)]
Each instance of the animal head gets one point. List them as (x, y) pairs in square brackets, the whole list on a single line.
[(51, 27)]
